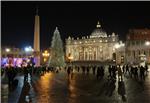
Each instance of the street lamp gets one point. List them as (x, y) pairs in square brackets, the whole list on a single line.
[(70, 58), (7, 50), (45, 54), (118, 47), (147, 43)]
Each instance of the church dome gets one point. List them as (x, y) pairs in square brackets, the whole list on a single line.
[(98, 32)]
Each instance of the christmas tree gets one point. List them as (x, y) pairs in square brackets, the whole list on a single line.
[(57, 53)]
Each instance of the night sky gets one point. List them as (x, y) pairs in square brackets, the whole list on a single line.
[(76, 19)]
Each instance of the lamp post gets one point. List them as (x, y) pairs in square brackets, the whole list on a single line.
[(147, 58), (119, 47), (70, 58), (147, 43), (45, 55)]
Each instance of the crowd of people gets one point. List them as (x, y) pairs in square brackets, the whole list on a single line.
[(98, 71), (11, 72), (113, 71)]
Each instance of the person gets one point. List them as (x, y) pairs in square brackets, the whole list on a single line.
[(102, 72), (78, 68), (69, 70), (121, 90), (94, 68), (98, 72), (119, 73), (142, 72), (114, 72), (25, 74), (131, 71), (127, 69), (109, 70), (88, 68), (83, 69), (123, 69), (135, 72), (146, 68)]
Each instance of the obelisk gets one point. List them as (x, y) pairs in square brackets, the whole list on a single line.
[(37, 39)]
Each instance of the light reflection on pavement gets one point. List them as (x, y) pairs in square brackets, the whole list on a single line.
[(82, 88)]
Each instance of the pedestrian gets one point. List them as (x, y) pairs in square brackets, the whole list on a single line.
[(69, 70), (114, 72), (146, 69), (94, 68), (78, 68), (88, 68), (98, 72), (119, 73), (102, 72), (135, 72), (142, 72), (131, 71), (123, 69), (109, 70), (127, 69)]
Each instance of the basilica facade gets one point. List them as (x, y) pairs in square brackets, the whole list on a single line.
[(98, 46)]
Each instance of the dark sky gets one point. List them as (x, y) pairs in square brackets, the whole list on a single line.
[(72, 18)]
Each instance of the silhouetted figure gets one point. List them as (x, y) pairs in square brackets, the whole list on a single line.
[(142, 69), (94, 69), (135, 72), (121, 90), (98, 72), (127, 69), (25, 74), (88, 68), (132, 71), (123, 69), (101, 71), (69, 71), (83, 69), (119, 73), (146, 68), (114, 72), (110, 86), (109, 70), (78, 69)]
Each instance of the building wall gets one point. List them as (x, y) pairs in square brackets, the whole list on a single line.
[(136, 45), (91, 49)]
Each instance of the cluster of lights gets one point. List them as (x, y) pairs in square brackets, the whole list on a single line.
[(117, 45), (45, 54), (28, 49)]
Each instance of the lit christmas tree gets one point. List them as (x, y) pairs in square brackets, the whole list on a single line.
[(57, 53)]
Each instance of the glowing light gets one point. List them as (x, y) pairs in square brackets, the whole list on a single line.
[(7, 50), (147, 43), (28, 49), (45, 59), (117, 46), (70, 57), (45, 54)]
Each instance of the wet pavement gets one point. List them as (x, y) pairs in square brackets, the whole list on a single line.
[(84, 88)]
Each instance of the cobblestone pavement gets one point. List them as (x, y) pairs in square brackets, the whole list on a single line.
[(83, 88)]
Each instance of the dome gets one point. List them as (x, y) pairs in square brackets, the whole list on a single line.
[(98, 32)]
